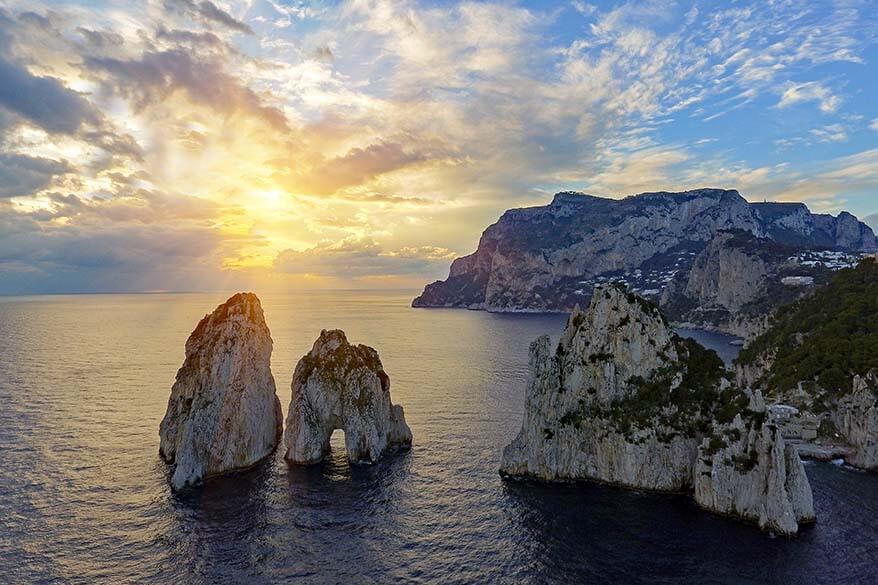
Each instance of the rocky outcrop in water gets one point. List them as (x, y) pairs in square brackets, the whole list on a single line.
[(338, 385), (747, 470), (856, 418), (223, 413), (624, 400), (549, 258)]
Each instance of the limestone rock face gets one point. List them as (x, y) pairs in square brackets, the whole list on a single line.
[(738, 281), (223, 413), (624, 400), (599, 352), (723, 275), (338, 385), (748, 471), (856, 416)]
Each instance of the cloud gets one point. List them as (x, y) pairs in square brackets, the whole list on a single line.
[(201, 40), (353, 258), (22, 175), (101, 40), (44, 101), (156, 75), (647, 169), (874, 125), (830, 133), (209, 12), (140, 205), (810, 91), (357, 166), (823, 183), (584, 8), (372, 136), (323, 53), (41, 255)]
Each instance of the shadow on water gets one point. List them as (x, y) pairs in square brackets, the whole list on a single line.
[(347, 512), (220, 525), (278, 521), (591, 532)]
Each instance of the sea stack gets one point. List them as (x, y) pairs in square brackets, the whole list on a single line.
[(622, 399), (223, 413), (338, 385)]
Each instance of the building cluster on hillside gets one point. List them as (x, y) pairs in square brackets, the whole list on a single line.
[(833, 260), (648, 283)]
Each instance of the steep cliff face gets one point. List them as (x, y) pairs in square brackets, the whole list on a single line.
[(737, 281), (223, 413), (342, 386), (856, 418), (549, 258), (745, 469), (724, 277), (622, 399)]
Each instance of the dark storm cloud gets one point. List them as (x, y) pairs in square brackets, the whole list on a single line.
[(24, 175), (209, 12), (156, 75), (44, 101)]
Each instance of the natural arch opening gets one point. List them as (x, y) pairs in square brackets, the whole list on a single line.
[(337, 448)]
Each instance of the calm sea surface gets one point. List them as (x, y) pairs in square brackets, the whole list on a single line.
[(84, 382)]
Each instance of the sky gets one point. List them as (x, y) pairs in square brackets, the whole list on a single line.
[(275, 144)]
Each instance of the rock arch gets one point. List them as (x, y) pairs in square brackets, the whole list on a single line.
[(338, 385)]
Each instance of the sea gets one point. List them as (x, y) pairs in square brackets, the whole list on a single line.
[(84, 496)]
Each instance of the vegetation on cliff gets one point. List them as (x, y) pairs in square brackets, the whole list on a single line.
[(826, 338)]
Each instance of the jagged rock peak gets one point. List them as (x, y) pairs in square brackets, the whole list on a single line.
[(622, 399), (338, 385), (223, 413), (746, 469)]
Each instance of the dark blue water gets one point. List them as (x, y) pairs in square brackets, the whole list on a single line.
[(84, 382)]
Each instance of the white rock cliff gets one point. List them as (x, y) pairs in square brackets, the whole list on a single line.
[(624, 400), (338, 385), (856, 417), (746, 470), (223, 413)]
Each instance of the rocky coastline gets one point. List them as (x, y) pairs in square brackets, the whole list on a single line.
[(817, 364), (549, 258), (622, 399)]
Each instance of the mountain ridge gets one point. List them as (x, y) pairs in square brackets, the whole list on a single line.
[(548, 258)]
